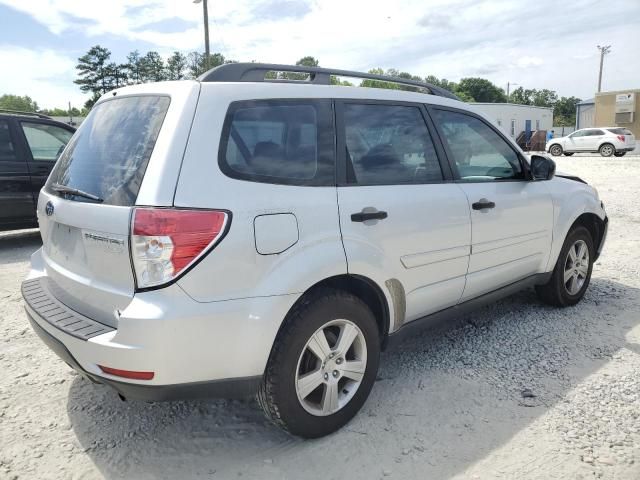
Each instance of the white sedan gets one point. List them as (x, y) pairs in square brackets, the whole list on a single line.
[(606, 141)]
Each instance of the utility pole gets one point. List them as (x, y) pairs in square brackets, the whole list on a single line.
[(509, 88), (205, 14), (603, 51)]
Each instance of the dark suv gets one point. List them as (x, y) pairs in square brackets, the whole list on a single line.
[(30, 144)]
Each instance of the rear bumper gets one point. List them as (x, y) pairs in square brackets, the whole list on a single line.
[(228, 388), (194, 349)]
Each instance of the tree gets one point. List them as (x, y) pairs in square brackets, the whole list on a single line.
[(539, 98), (15, 102), (62, 112), (194, 61), (152, 67), (564, 111), (133, 67), (308, 62), (176, 65), (116, 75), (521, 96), (197, 63), (442, 83), (93, 71), (380, 83), (481, 90)]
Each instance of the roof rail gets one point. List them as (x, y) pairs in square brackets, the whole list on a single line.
[(26, 114), (255, 72)]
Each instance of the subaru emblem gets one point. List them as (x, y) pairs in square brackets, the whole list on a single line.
[(49, 209)]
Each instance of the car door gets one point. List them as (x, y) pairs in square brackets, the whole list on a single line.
[(575, 141), (511, 216), (592, 139), (404, 223), (16, 202), (45, 142)]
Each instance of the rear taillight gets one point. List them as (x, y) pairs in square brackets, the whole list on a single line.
[(620, 137), (166, 241)]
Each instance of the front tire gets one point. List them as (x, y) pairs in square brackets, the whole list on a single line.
[(555, 150), (606, 150), (572, 273), (323, 364)]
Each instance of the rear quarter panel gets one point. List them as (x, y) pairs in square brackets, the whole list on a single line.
[(235, 269)]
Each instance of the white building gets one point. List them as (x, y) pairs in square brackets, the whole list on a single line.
[(514, 119)]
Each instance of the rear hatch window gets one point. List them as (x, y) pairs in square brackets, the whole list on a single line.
[(620, 131), (107, 157)]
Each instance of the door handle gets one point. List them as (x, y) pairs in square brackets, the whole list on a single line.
[(365, 215), (482, 204)]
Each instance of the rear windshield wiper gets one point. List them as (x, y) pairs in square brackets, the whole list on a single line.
[(74, 191)]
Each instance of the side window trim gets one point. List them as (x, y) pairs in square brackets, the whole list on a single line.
[(325, 126), (341, 143), (449, 156)]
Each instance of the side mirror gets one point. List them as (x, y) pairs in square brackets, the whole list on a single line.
[(542, 168)]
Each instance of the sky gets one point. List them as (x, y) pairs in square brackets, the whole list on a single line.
[(541, 44)]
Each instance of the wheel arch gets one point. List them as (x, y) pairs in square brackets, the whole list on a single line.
[(607, 142), (361, 287), (554, 144), (595, 225)]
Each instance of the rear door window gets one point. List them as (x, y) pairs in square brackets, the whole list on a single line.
[(108, 155), (46, 142), (273, 141)]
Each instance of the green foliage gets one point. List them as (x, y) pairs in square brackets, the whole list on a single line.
[(564, 111), (308, 62), (62, 112), (152, 68), (198, 63), (481, 90), (94, 71), (539, 98), (18, 103), (176, 65), (133, 67), (337, 81), (380, 83)]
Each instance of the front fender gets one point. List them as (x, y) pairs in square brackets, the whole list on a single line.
[(571, 199)]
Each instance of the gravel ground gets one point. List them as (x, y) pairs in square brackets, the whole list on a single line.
[(518, 390)]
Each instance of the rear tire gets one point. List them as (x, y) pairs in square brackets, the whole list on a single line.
[(568, 154), (310, 396), (572, 273), (606, 150), (619, 154), (555, 150)]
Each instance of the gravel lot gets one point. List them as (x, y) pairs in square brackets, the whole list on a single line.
[(519, 390)]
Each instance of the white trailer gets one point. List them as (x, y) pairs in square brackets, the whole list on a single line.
[(514, 119)]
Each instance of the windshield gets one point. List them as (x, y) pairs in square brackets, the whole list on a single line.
[(108, 155)]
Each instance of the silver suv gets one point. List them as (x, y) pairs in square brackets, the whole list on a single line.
[(250, 233)]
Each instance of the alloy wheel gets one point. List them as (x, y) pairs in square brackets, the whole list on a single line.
[(606, 150), (576, 267), (331, 367)]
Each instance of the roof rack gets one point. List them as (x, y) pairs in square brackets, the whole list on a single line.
[(255, 72), (26, 114)]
